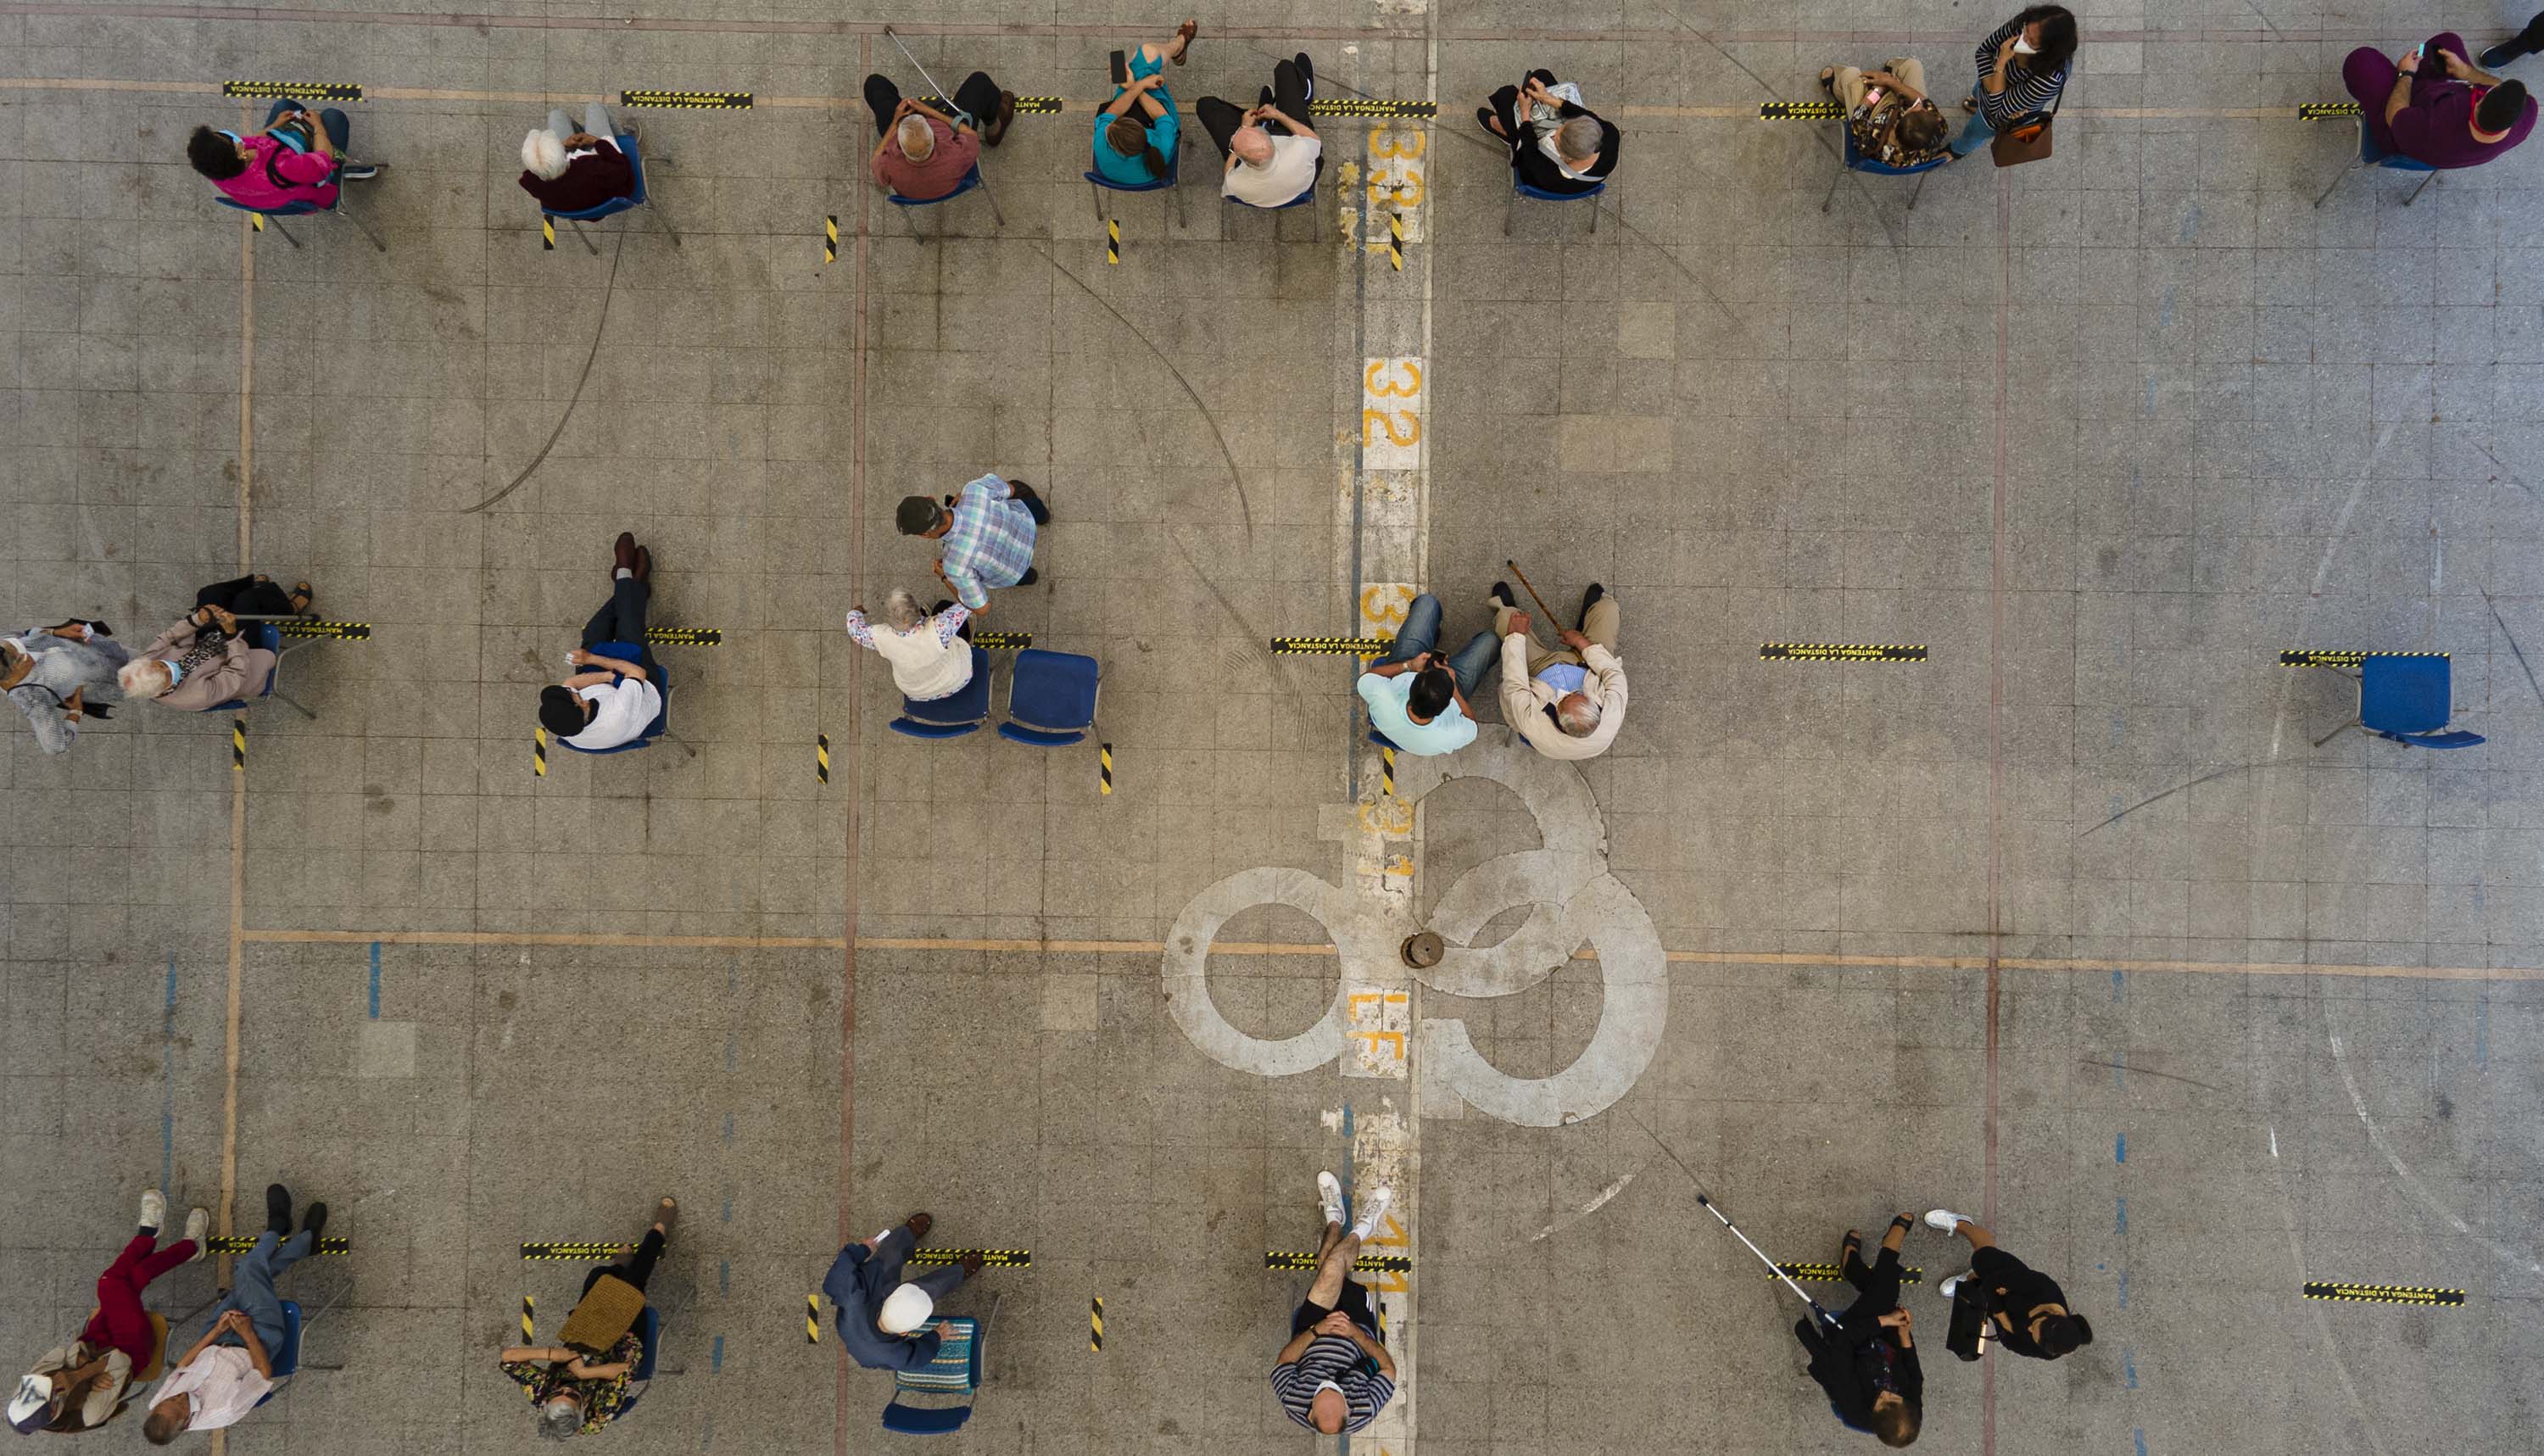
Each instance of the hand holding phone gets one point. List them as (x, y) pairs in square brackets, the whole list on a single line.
[(1121, 69)]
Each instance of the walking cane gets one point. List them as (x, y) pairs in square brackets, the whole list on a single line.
[(1544, 613), (1826, 1319), (948, 98)]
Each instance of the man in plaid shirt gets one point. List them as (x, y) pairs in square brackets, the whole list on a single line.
[(988, 535)]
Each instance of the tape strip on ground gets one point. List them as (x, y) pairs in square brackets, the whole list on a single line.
[(1391, 1263)]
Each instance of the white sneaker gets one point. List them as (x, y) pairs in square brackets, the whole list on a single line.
[(1946, 1220), (154, 1209), (198, 1228), (1374, 1213), (1950, 1286), (1329, 1196)]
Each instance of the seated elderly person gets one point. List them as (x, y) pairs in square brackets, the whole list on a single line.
[(571, 171), (581, 1384), (1888, 114), (923, 153), (1568, 702), (204, 660), (1556, 144), (58, 674), (930, 652), (1271, 154)]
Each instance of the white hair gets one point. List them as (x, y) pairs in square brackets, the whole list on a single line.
[(903, 610), (543, 155), (1579, 139), (144, 676), (1251, 156), (1578, 714), (918, 138)]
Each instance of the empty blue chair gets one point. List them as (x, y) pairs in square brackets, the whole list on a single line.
[(970, 180), (1051, 698), (2369, 154), (1854, 160), (954, 715), (305, 210), (2406, 699), (1174, 168), (956, 1371), (1521, 190), (662, 681), (640, 197), (286, 1361)]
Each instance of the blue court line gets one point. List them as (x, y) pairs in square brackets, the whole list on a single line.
[(2122, 1226), (376, 980), (724, 1278), (168, 1070), (715, 1356), (2129, 1367), (2121, 1149), (728, 1208), (2139, 1435), (728, 1127), (2124, 1288), (706, 1433), (2117, 982)]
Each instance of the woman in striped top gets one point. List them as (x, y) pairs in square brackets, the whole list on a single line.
[(2023, 65)]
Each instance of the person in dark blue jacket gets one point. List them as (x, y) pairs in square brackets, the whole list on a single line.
[(883, 1318)]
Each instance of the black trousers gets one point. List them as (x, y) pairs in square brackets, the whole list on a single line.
[(1288, 91), (247, 594), (977, 96), (638, 1268), (1877, 1286), (1353, 1301), (1505, 104), (621, 619)]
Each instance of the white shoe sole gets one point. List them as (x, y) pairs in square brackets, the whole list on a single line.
[(1943, 1219)]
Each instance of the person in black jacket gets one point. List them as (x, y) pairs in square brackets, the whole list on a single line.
[(2029, 1309), (1869, 1364), (1573, 152)]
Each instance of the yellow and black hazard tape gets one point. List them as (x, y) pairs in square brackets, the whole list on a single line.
[(547, 233), (722, 101), (1026, 106), (1393, 245), (569, 1250), (1095, 1329), (829, 238), (2324, 111), (1386, 770), (1391, 1263), (539, 752), (1799, 111), (1333, 646), (1104, 771), (822, 756), (1811, 1274), (1002, 641), (1003, 1258), (296, 90), (685, 636), (256, 220), (1371, 105), (812, 1319), (1842, 650), (526, 1307), (242, 1243), (238, 743), (2384, 1293), (2303, 657), (1112, 241), (331, 632)]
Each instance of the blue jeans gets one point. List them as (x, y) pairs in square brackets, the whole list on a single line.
[(1421, 634), (253, 1294), (337, 130), (1975, 133)]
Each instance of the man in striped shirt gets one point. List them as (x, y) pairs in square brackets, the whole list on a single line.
[(1336, 1375), (988, 535)]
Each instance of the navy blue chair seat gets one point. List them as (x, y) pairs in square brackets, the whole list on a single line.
[(970, 180), (954, 715), (1051, 698), (2406, 699)]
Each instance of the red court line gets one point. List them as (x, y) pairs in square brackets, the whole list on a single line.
[(1996, 739), (847, 777)]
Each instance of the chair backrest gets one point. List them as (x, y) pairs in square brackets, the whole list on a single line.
[(1543, 196), (662, 681), (970, 180), (2456, 738), (636, 165), (1051, 698), (1380, 740), (2375, 156), (1175, 165), (924, 1421), (287, 209), (649, 1329), (270, 637), (2404, 694)]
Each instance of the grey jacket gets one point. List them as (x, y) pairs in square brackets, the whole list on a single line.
[(58, 668)]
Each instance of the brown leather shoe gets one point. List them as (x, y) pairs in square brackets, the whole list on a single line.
[(644, 567), (920, 1223), (997, 130), (622, 553)]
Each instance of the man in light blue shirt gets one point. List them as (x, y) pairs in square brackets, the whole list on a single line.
[(1417, 699)]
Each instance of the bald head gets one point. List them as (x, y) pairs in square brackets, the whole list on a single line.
[(1329, 1410), (1253, 145)]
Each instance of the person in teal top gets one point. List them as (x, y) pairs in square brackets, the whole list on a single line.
[(1135, 133), (1417, 695)]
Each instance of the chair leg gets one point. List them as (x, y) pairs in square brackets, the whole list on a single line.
[(912, 223), (1832, 192), (2336, 182), (2423, 187), (995, 210), (1095, 194), (292, 703), (1914, 191), (1510, 204), (356, 218), (2336, 733), (584, 238), (662, 217), (277, 224)]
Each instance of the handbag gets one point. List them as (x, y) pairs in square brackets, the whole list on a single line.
[(2027, 141), (607, 1311)]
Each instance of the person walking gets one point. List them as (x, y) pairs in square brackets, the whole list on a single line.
[(80, 1386), (60, 675), (2027, 1307), (2526, 43), (989, 532), (882, 1318), (2023, 69), (1336, 1375), (580, 1384), (1567, 702), (616, 701), (2435, 107), (231, 1368), (1418, 698), (1868, 1364)]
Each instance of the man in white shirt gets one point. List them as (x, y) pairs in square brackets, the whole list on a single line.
[(1270, 155), (1568, 702), (231, 1368), (615, 702)]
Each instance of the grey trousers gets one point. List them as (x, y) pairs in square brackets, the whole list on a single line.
[(596, 119)]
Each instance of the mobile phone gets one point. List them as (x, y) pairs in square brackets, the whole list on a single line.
[(1121, 69)]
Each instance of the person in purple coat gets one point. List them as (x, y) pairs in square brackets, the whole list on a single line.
[(2433, 105)]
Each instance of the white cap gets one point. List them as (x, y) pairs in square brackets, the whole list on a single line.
[(905, 1310), (32, 1407)]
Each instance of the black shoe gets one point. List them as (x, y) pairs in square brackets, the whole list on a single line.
[(1486, 118), (2501, 54), (1501, 593), (1307, 73), (1266, 98), (312, 1222), (277, 1209), (1030, 577), (1589, 599)]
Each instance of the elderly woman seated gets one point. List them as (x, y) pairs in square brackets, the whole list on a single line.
[(927, 660), (582, 1384), (204, 661), (571, 171)]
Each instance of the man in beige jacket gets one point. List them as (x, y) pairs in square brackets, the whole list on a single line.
[(1570, 701)]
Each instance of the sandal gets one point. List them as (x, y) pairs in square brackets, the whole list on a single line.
[(1849, 1249), (302, 593), (1185, 32), (666, 1216), (1828, 81)]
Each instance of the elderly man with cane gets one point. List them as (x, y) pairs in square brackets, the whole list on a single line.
[(1570, 701), (920, 153)]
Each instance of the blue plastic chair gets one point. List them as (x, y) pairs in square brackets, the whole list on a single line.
[(286, 1361), (662, 681), (649, 1332), (1174, 168), (970, 180), (1854, 160), (1051, 698), (1521, 190), (954, 715), (270, 637), (305, 210), (637, 199), (2370, 155), (2406, 699), (956, 1371)]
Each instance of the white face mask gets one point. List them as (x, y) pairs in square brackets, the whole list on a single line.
[(2024, 48)]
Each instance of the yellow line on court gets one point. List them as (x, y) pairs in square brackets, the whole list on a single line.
[(507, 937)]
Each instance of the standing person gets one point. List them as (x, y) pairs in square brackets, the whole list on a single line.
[(2023, 67), (2028, 1308), (60, 675), (1416, 697), (882, 1318), (1570, 701), (1262, 166), (921, 153), (1888, 115), (578, 1390), (2434, 108), (1336, 1374), (930, 652), (1868, 1364), (231, 1367), (989, 534), (296, 158), (1135, 132), (80, 1386), (2526, 43), (572, 170), (1573, 149), (617, 700), (207, 659)]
